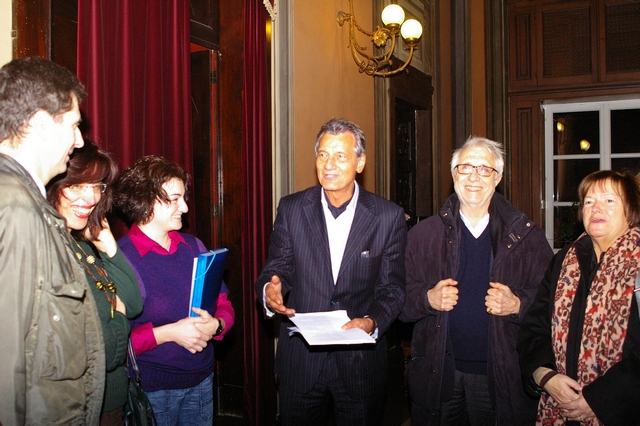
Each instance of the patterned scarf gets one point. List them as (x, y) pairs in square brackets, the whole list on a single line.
[(606, 319)]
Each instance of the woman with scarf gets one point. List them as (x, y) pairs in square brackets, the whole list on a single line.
[(82, 196), (579, 343)]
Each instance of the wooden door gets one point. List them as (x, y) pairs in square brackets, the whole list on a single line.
[(207, 173), (411, 146)]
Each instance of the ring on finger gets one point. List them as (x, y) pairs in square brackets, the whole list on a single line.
[(490, 311)]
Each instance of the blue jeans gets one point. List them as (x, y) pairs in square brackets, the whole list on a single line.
[(190, 406)]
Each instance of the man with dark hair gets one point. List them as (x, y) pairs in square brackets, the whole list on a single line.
[(335, 246), (52, 352)]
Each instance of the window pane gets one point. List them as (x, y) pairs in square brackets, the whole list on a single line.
[(567, 176), (625, 131), (566, 226), (571, 128), (631, 165)]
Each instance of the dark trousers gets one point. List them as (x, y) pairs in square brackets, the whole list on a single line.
[(312, 408), (112, 418), (471, 403)]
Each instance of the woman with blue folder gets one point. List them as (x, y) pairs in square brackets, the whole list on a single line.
[(174, 355)]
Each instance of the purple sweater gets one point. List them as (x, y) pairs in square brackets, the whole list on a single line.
[(166, 279)]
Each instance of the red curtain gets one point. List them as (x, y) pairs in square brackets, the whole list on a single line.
[(257, 221), (133, 57)]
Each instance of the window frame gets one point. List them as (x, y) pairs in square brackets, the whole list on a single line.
[(604, 108)]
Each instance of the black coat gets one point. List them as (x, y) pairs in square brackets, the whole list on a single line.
[(370, 282), (614, 397), (521, 254)]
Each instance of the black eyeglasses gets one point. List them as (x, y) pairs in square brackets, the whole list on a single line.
[(467, 169), (95, 187)]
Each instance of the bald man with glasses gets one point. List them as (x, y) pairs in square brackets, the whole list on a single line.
[(472, 272)]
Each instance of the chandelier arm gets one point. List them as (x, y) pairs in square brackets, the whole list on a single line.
[(359, 28), (363, 61), (371, 65), (354, 22), (369, 62), (352, 39), (378, 58), (366, 64), (374, 64), (389, 51), (397, 70)]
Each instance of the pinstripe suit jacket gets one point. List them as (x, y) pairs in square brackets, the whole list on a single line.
[(370, 282)]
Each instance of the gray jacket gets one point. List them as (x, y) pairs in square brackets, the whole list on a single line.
[(53, 368)]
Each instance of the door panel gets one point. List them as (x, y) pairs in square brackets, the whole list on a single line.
[(206, 148)]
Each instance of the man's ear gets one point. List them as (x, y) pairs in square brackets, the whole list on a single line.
[(362, 160), (498, 179), (39, 124)]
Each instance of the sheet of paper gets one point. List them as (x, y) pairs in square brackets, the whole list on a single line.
[(324, 328)]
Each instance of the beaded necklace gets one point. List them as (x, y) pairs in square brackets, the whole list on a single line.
[(109, 288)]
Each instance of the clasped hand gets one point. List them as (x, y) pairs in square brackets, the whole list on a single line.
[(192, 333), (500, 300), (568, 394)]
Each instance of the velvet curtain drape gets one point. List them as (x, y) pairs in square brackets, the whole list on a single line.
[(133, 57), (257, 220)]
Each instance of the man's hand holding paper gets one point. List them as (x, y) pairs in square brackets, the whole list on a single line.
[(329, 328), (367, 324)]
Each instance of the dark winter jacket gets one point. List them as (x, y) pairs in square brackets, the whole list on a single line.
[(615, 395), (52, 361), (521, 255)]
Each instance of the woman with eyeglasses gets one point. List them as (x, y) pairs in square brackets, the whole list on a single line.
[(82, 196)]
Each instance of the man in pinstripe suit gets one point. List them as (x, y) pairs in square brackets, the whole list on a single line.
[(335, 246)]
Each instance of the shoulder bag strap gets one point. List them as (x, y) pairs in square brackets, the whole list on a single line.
[(636, 291), (133, 363)]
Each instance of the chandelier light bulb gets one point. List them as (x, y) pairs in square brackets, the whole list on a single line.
[(585, 145), (381, 63), (393, 15), (411, 30)]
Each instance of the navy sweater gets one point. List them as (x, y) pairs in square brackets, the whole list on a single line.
[(469, 321)]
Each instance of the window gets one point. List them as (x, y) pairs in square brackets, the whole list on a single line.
[(581, 138)]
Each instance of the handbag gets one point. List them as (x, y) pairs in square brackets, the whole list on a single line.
[(138, 410)]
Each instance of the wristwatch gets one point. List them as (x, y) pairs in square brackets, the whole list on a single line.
[(219, 330)]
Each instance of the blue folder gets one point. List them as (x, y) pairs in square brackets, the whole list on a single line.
[(208, 269)]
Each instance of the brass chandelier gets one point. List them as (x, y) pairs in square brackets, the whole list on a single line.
[(383, 37)]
